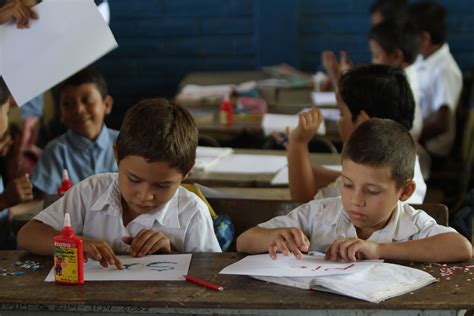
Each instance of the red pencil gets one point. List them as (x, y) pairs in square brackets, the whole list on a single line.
[(210, 285)]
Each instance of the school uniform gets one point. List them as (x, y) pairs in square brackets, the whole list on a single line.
[(412, 78), (324, 221), (440, 84), (334, 189), (96, 212), (80, 156)]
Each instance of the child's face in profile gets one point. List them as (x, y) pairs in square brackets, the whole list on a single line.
[(145, 186), (345, 124), (369, 196), (380, 56), (83, 109)]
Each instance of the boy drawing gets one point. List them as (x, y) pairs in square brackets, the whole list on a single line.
[(369, 220), (87, 147), (364, 92), (142, 209)]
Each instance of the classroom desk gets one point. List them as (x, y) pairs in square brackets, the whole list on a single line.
[(253, 180), (29, 294), (256, 193)]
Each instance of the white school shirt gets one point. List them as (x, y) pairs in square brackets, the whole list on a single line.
[(334, 189), (440, 84), (96, 212), (324, 221), (412, 78)]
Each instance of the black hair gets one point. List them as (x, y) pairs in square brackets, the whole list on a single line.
[(390, 9), (430, 17), (4, 92), (86, 75)]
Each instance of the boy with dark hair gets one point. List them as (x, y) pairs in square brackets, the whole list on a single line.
[(439, 76), (142, 209), (397, 44), (18, 190), (383, 10), (86, 148), (364, 92), (369, 220)]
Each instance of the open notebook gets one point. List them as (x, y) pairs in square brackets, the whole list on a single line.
[(374, 281)]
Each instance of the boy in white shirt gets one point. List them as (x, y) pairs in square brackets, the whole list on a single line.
[(440, 79), (142, 209), (364, 92), (369, 220)]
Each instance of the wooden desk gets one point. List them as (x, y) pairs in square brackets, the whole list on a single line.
[(256, 193), (253, 180), (242, 295)]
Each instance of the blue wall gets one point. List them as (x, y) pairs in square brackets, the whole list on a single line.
[(162, 40)]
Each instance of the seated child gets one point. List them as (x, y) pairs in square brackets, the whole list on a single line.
[(142, 209), (18, 190), (440, 79), (86, 148), (364, 92), (369, 220), (397, 44)]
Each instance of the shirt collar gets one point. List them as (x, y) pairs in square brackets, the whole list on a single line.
[(434, 58), (111, 202), (82, 143)]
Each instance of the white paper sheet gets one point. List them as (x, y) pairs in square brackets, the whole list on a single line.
[(279, 122), (249, 164), (68, 36), (207, 157), (282, 176), (289, 266), (324, 98), (148, 268), (330, 114)]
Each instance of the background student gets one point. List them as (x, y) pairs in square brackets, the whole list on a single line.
[(364, 92), (369, 220), (16, 191), (440, 79), (86, 148), (142, 209)]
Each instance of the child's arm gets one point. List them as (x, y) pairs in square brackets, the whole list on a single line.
[(37, 237), (437, 123), (285, 239), (17, 191), (304, 179), (446, 247)]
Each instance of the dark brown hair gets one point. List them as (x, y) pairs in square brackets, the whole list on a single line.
[(383, 143), (4, 92), (159, 130), (86, 75)]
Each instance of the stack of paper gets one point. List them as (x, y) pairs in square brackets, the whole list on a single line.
[(282, 176), (324, 98), (207, 157), (249, 164), (373, 281)]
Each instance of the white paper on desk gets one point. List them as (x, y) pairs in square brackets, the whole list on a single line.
[(206, 157), (148, 268), (288, 266), (376, 284), (249, 164), (68, 36), (331, 114), (279, 122), (324, 98), (282, 176)]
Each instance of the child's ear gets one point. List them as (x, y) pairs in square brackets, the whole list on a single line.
[(108, 102), (362, 117), (189, 172), (399, 56), (407, 190)]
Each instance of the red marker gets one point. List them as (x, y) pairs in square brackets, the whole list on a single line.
[(210, 285)]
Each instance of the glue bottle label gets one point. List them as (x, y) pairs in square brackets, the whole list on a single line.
[(65, 263)]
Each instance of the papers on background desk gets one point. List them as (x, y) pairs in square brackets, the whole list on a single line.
[(282, 176), (279, 122), (148, 268), (206, 157), (249, 164), (324, 98), (68, 36), (311, 265), (193, 92)]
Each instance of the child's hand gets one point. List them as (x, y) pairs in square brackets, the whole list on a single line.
[(345, 62), (289, 239), (149, 241), (17, 191), (101, 251), (352, 249), (332, 67), (308, 124), (20, 10)]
